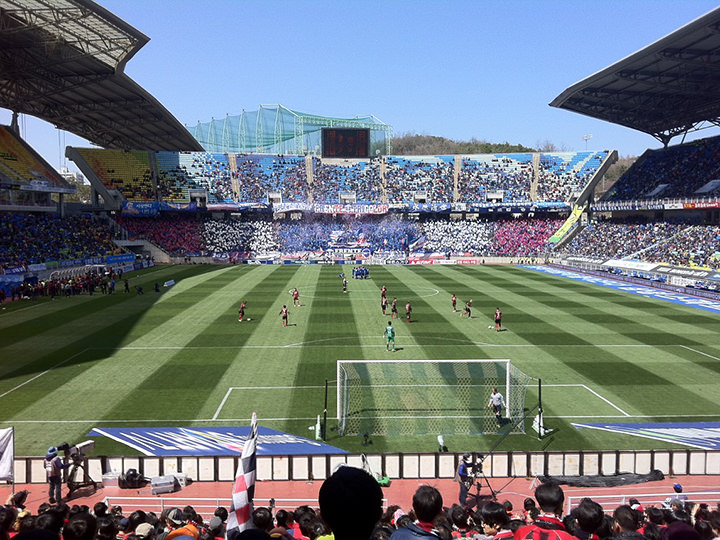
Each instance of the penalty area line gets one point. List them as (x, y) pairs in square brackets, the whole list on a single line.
[(230, 390), (700, 352), (605, 400)]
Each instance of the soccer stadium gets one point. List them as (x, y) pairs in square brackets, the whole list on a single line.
[(273, 325)]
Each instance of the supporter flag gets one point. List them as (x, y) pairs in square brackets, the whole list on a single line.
[(7, 454), (417, 244), (244, 489)]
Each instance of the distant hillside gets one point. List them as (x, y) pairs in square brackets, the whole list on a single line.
[(427, 145)]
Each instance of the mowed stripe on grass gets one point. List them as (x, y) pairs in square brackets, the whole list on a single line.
[(170, 358)]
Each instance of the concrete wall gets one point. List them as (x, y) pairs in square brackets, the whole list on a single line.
[(398, 466)]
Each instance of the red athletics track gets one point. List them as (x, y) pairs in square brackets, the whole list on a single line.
[(399, 492)]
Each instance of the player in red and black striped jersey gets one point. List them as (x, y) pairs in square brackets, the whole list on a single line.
[(498, 319), (284, 312)]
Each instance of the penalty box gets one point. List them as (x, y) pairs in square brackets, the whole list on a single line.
[(275, 402)]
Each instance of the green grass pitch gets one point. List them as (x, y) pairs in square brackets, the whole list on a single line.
[(180, 357)]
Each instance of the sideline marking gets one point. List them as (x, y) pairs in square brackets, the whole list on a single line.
[(645, 291), (43, 373)]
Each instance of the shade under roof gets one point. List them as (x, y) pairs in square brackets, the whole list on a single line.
[(63, 60)]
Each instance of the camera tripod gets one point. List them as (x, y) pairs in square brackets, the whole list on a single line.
[(477, 480), (78, 477)]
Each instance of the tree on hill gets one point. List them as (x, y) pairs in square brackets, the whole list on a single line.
[(409, 144)]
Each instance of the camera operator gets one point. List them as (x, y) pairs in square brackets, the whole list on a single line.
[(54, 465), (463, 477)]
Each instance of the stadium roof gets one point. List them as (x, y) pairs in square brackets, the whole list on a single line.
[(63, 60), (668, 88)]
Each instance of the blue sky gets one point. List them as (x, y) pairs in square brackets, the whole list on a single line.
[(457, 69)]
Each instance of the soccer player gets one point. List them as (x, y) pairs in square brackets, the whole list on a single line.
[(389, 336), (498, 319), (393, 309), (383, 304), (296, 297), (383, 292), (454, 303), (496, 403), (284, 312), (468, 309), (344, 284), (408, 310), (241, 312)]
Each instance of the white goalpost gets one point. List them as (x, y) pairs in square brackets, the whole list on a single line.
[(391, 397)]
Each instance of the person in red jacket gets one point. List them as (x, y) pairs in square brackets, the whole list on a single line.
[(548, 525)]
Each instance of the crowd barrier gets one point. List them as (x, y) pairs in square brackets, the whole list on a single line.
[(30, 470)]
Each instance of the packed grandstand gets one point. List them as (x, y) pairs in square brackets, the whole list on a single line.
[(243, 207)]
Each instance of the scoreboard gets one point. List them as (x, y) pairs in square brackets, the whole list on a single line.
[(345, 143)]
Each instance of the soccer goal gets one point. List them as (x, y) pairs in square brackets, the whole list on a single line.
[(415, 397)]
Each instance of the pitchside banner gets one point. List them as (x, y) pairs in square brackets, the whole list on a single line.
[(212, 441), (704, 435)]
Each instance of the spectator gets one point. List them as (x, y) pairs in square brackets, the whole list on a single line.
[(496, 521), (351, 490), (550, 498), (427, 505), (81, 526)]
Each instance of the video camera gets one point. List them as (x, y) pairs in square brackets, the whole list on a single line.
[(76, 452), (474, 466)]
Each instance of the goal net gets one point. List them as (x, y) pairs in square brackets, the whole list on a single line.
[(387, 397)]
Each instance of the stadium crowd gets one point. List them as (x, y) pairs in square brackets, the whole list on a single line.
[(677, 243), (260, 175), (176, 234), (361, 178), (38, 238), (350, 508), (563, 174), (483, 176), (432, 176), (686, 170), (253, 178), (522, 237), (35, 239)]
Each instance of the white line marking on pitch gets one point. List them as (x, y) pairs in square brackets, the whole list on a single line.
[(700, 352), (229, 391), (41, 374), (595, 394), (222, 403), (605, 400)]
